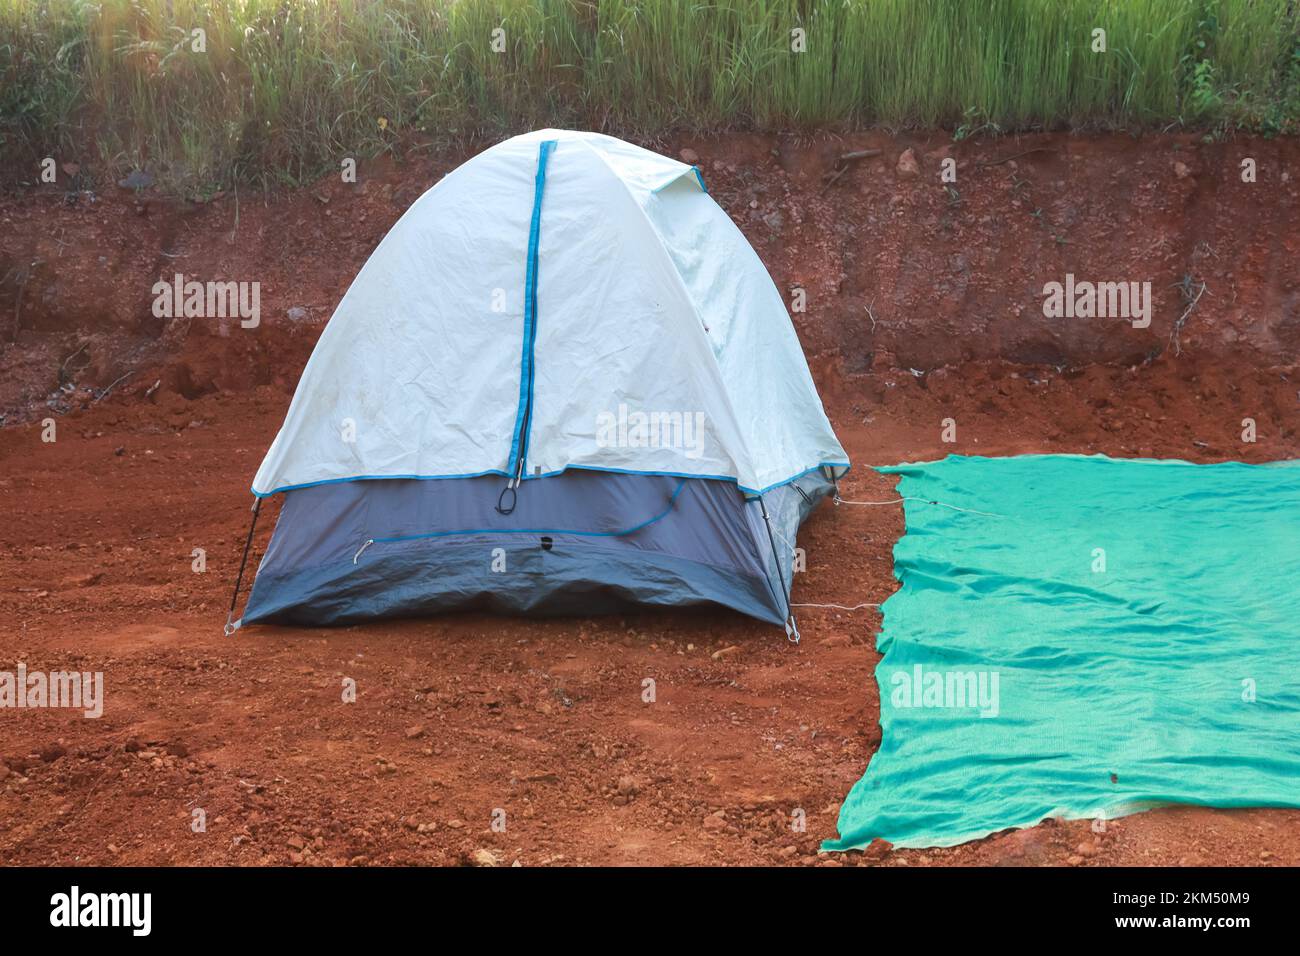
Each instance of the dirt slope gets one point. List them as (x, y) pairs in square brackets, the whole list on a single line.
[(458, 717)]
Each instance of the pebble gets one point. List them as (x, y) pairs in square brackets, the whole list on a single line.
[(877, 849)]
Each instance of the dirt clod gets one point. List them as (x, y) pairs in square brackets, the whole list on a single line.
[(908, 167)]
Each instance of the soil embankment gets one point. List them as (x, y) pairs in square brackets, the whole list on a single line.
[(923, 303)]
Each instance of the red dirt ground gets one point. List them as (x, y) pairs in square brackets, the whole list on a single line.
[(921, 307)]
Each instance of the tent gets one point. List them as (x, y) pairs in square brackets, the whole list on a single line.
[(563, 383)]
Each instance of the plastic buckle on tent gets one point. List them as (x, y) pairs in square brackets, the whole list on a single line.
[(791, 630)]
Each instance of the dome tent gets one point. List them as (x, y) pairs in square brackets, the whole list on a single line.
[(577, 343)]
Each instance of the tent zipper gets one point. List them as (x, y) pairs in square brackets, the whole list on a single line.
[(523, 420)]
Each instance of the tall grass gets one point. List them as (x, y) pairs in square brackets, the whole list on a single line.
[(286, 87)]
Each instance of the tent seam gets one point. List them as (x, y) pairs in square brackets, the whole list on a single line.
[(661, 247), (527, 361)]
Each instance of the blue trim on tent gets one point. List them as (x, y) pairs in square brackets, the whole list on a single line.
[(551, 474), (672, 501), (519, 440), (807, 471), (677, 474), (339, 481)]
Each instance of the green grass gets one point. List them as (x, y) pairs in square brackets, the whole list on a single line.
[(286, 88)]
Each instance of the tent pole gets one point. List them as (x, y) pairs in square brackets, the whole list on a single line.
[(791, 627), (231, 624)]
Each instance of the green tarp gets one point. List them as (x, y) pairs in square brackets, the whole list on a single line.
[(1105, 637)]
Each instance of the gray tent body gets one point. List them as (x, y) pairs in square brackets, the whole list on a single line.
[(579, 542)]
